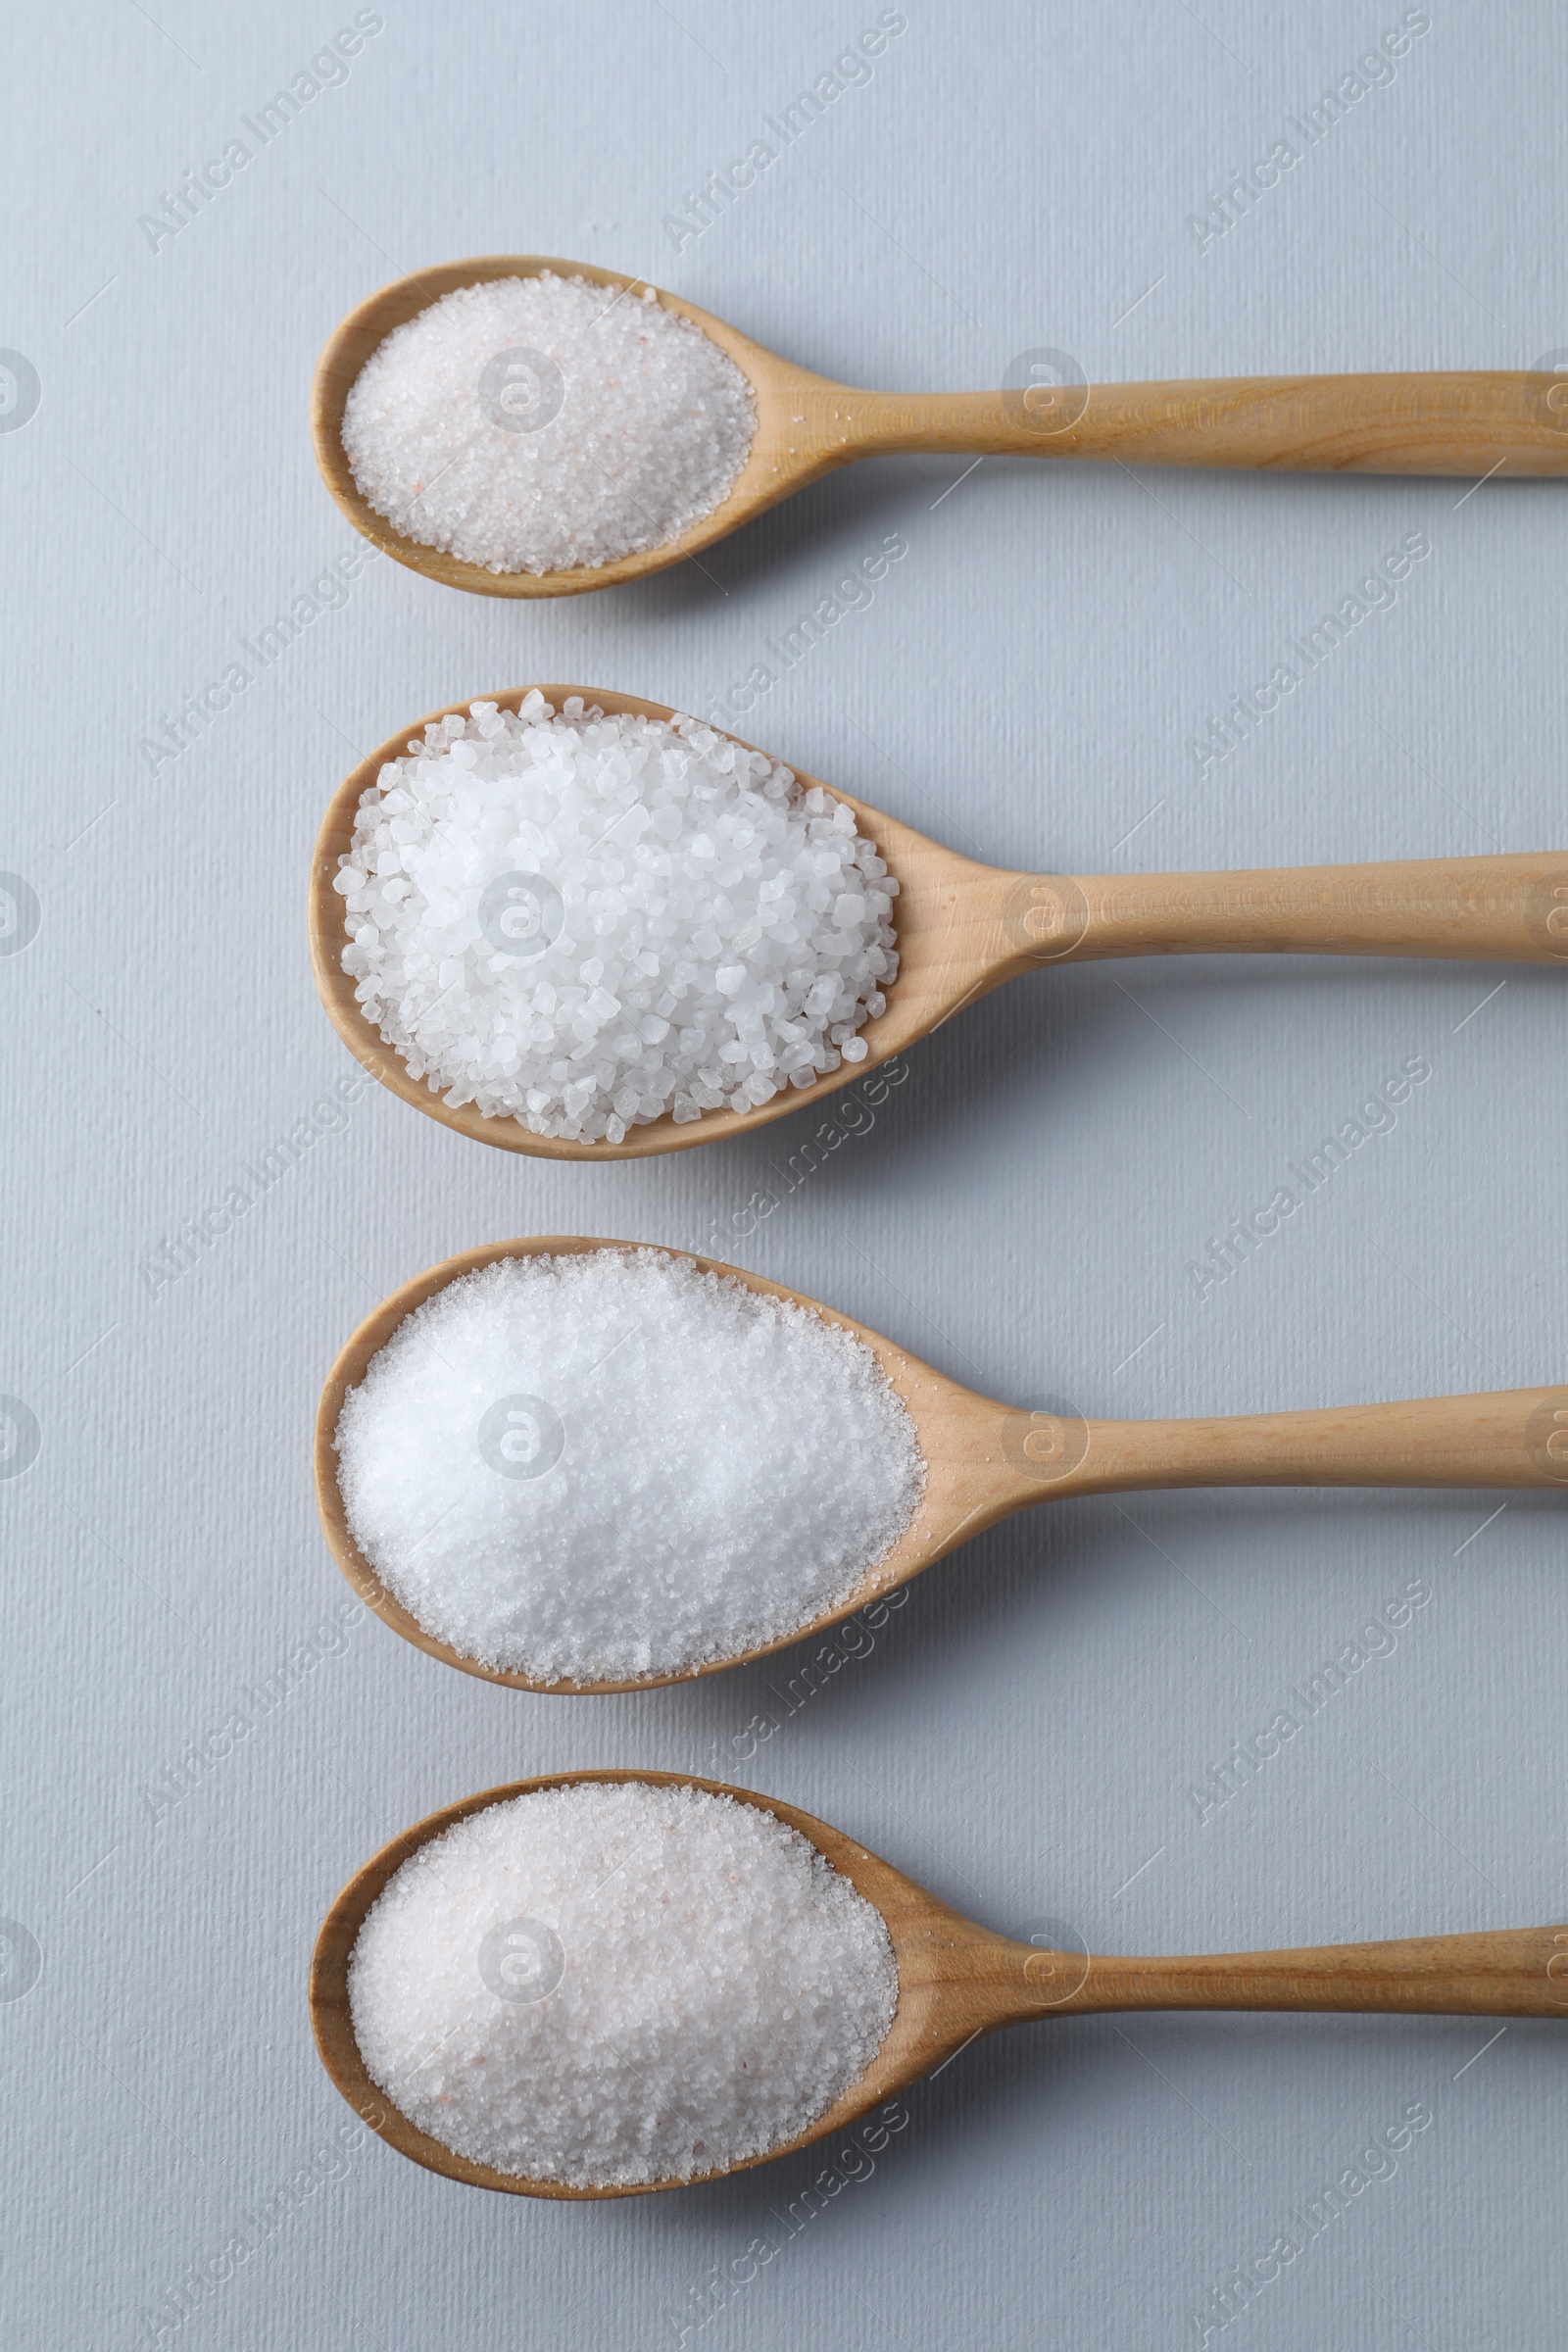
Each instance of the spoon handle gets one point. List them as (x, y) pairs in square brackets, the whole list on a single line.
[(1511, 910), (1514, 1972), (1464, 424), (1514, 1437)]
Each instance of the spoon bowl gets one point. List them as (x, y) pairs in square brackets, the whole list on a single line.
[(791, 447), (964, 928), (1455, 424), (958, 1981), (986, 1461), (929, 983)]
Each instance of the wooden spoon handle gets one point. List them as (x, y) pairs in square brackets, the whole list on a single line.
[(1516, 1972), (1515, 1438), (1458, 424), (1484, 909)]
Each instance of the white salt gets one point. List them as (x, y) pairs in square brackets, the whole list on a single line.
[(602, 1467), (541, 423), (584, 922), (604, 1985)]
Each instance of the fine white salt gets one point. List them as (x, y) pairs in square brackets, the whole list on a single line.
[(604, 1985), (612, 1465), (541, 423), (584, 922)]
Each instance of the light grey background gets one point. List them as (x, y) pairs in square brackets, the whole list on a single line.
[(1025, 1208)]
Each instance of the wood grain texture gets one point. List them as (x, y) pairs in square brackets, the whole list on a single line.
[(986, 1461), (1457, 423), (964, 928), (1453, 423), (958, 1981), (1508, 1438)]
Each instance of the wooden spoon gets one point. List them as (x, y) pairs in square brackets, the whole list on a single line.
[(1454, 424), (958, 1981), (985, 1460), (964, 928)]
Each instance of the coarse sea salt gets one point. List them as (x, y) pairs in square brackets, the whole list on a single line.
[(606, 1985), (611, 1465), (541, 425), (583, 922)]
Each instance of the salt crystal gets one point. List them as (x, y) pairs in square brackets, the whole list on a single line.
[(541, 425), (523, 890), (611, 1465), (608, 1985)]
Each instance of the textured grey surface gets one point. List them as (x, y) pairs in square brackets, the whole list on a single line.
[(1025, 1208)]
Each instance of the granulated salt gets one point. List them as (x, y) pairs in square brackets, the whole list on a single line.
[(542, 424), (584, 922), (611, 1465), (605, 1985)]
